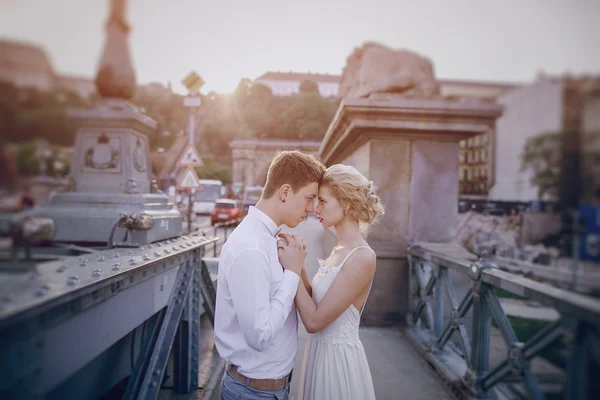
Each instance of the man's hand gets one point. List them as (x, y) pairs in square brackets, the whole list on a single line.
[(291, 251)]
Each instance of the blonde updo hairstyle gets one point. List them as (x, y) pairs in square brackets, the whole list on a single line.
[(356, 193)]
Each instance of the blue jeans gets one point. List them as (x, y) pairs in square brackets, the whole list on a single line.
[(232, 389)]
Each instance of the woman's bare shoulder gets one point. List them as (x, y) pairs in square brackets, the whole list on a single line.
[(362, 261)]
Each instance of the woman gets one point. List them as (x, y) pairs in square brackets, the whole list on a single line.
[(335, 365)]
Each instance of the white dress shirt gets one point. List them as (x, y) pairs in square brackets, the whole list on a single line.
[(256, 324)]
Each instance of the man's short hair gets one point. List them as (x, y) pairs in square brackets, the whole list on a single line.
[(295, 168)]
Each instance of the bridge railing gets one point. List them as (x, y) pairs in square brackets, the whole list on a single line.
[(214, 232), (124, 311), (466, 366)]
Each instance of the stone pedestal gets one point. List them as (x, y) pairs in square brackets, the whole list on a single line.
[(409, 149), (111, 177)]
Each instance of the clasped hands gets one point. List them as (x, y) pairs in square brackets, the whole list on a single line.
[(292, 252)]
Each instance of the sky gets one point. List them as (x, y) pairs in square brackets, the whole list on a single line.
[(226, 40)]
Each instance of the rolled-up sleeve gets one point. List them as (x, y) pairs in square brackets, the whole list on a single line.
[(260, 316)]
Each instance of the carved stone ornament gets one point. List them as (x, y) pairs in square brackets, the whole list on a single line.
[(131, 187), (140, 161), (374, 70), (102, 154)]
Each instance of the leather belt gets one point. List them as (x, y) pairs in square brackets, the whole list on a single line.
[(259, 384)]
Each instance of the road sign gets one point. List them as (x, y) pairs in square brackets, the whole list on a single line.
[(190, 158), (189, 180), (192, 101), (193, 82)]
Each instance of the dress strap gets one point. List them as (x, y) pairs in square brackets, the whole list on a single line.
[(352, 251), (366, 298)]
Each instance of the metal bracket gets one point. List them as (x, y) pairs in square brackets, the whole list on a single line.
[(476, 272), (455, 318), (516, 357)]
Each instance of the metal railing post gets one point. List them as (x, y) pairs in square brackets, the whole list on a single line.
[(216, 227), (438, 298), (480, 340), (577, 363)]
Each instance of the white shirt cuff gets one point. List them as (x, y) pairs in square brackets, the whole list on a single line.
[(290, 282)]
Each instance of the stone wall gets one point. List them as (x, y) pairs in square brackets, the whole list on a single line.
[(509, 236), (536, 226)]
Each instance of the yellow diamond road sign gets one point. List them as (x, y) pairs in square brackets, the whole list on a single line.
[(193, 82)]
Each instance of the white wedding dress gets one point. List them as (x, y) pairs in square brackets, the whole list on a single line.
[(335, 365)]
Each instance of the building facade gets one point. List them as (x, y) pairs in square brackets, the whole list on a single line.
[(288, 83), (528, 111), (477, 158), (548, 105), (26, 66), (475, 166)]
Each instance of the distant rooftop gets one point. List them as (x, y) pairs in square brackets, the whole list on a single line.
[(489, 84), (299, 77), (274, 143), (327, 78), (23, 55)]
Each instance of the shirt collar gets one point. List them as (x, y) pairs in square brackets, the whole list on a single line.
[(265, 219)]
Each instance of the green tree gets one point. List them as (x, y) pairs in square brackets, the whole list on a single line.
[(554, 159), (8, 109), (214, 170), (167, 110), (8, 172), (51, 124), (308, 118)]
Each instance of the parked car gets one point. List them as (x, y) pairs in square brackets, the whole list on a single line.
[(227, 210)]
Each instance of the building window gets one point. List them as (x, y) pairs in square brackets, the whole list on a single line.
[(466, 174)]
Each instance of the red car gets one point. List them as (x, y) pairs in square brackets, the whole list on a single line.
[(227, 210)]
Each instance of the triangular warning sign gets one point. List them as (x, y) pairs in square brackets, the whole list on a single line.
[(189, 180), (190, 158)]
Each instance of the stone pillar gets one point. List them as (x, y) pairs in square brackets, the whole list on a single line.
[(409, 149)]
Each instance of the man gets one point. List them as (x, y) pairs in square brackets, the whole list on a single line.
[(256, 324)]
